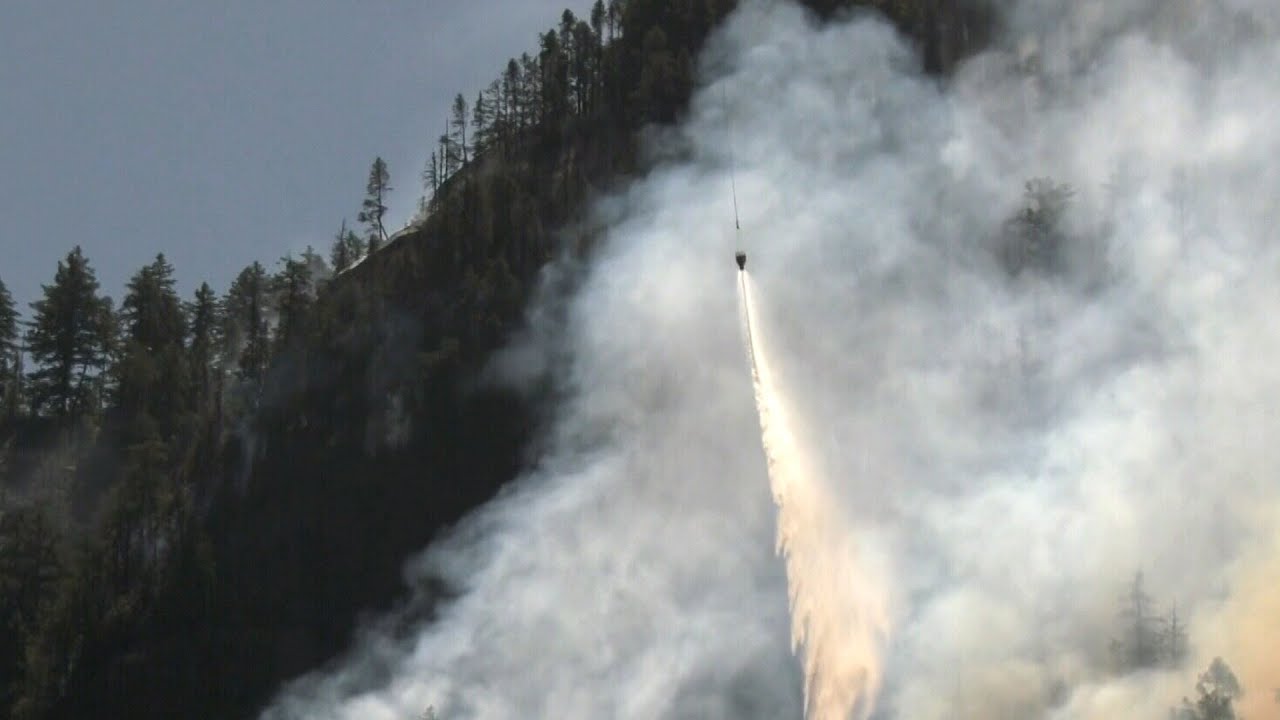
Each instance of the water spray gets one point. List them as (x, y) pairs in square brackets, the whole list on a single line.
[(838, 615)]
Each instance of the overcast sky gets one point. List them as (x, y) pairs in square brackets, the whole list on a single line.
[(224, 132)]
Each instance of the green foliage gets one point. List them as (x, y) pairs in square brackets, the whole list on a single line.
[(458, 137), (9, 382), (70, 339), (8, 330), (245, 332), (374, 206), (664, 78), (202, 347), (294, 291), (152, 370)]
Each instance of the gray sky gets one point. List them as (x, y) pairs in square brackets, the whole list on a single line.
[(226, 132)]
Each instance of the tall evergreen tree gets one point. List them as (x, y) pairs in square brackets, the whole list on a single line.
[(431, 180), (613, 18), (356, 246), (554, 86), (8, 352), (316, 265), (347, 249), (151, 373), (511, 97), (481, 124), (203, 313), (1216, 689), (1140, 647), (458, 138), (69, 339), (294, 292), (447, 154), (245, 328), (586, 55), (374, 207), (597, 20), (530, 91)]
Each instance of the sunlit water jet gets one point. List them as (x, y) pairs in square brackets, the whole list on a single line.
[(839, 617)]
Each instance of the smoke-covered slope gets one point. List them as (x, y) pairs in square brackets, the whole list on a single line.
[(1015, 397), (225, 548)]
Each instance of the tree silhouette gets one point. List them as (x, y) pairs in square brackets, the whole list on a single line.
[(1217, 689), (374, 206), (8, 351), (70, 336)]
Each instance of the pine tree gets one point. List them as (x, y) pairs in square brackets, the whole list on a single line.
[(458, 138), (294, 292), (8, 352), (203, 312), (431, 180), (316, 265), (356, 246), (1140, 647), (481, 125), (245, 329), (69, 339), (374, 206), (151, 372), (586, 55), (531, 102), (495, 115), (597, 20), (511, 97), (1217, 689), (447, 154), (613, 18), (554, 86), (340, 255)]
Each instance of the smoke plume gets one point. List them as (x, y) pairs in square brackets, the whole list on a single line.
[(1007, 403)]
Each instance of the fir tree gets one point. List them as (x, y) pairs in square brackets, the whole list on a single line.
[(459, 137), (8, 352), (151, 372), (294, 292), (1216, 690), (1140, 646), (69, 339), (245, 328), (203, 312), (374, 207)]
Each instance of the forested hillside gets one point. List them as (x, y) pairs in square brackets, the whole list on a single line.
[(201, 496)]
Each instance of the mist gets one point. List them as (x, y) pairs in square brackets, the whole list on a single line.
[(1005, 448)]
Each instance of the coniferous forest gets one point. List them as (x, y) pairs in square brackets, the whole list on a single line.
[(201, 496)]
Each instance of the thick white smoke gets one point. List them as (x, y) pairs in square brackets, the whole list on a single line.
[(1007, 451)]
